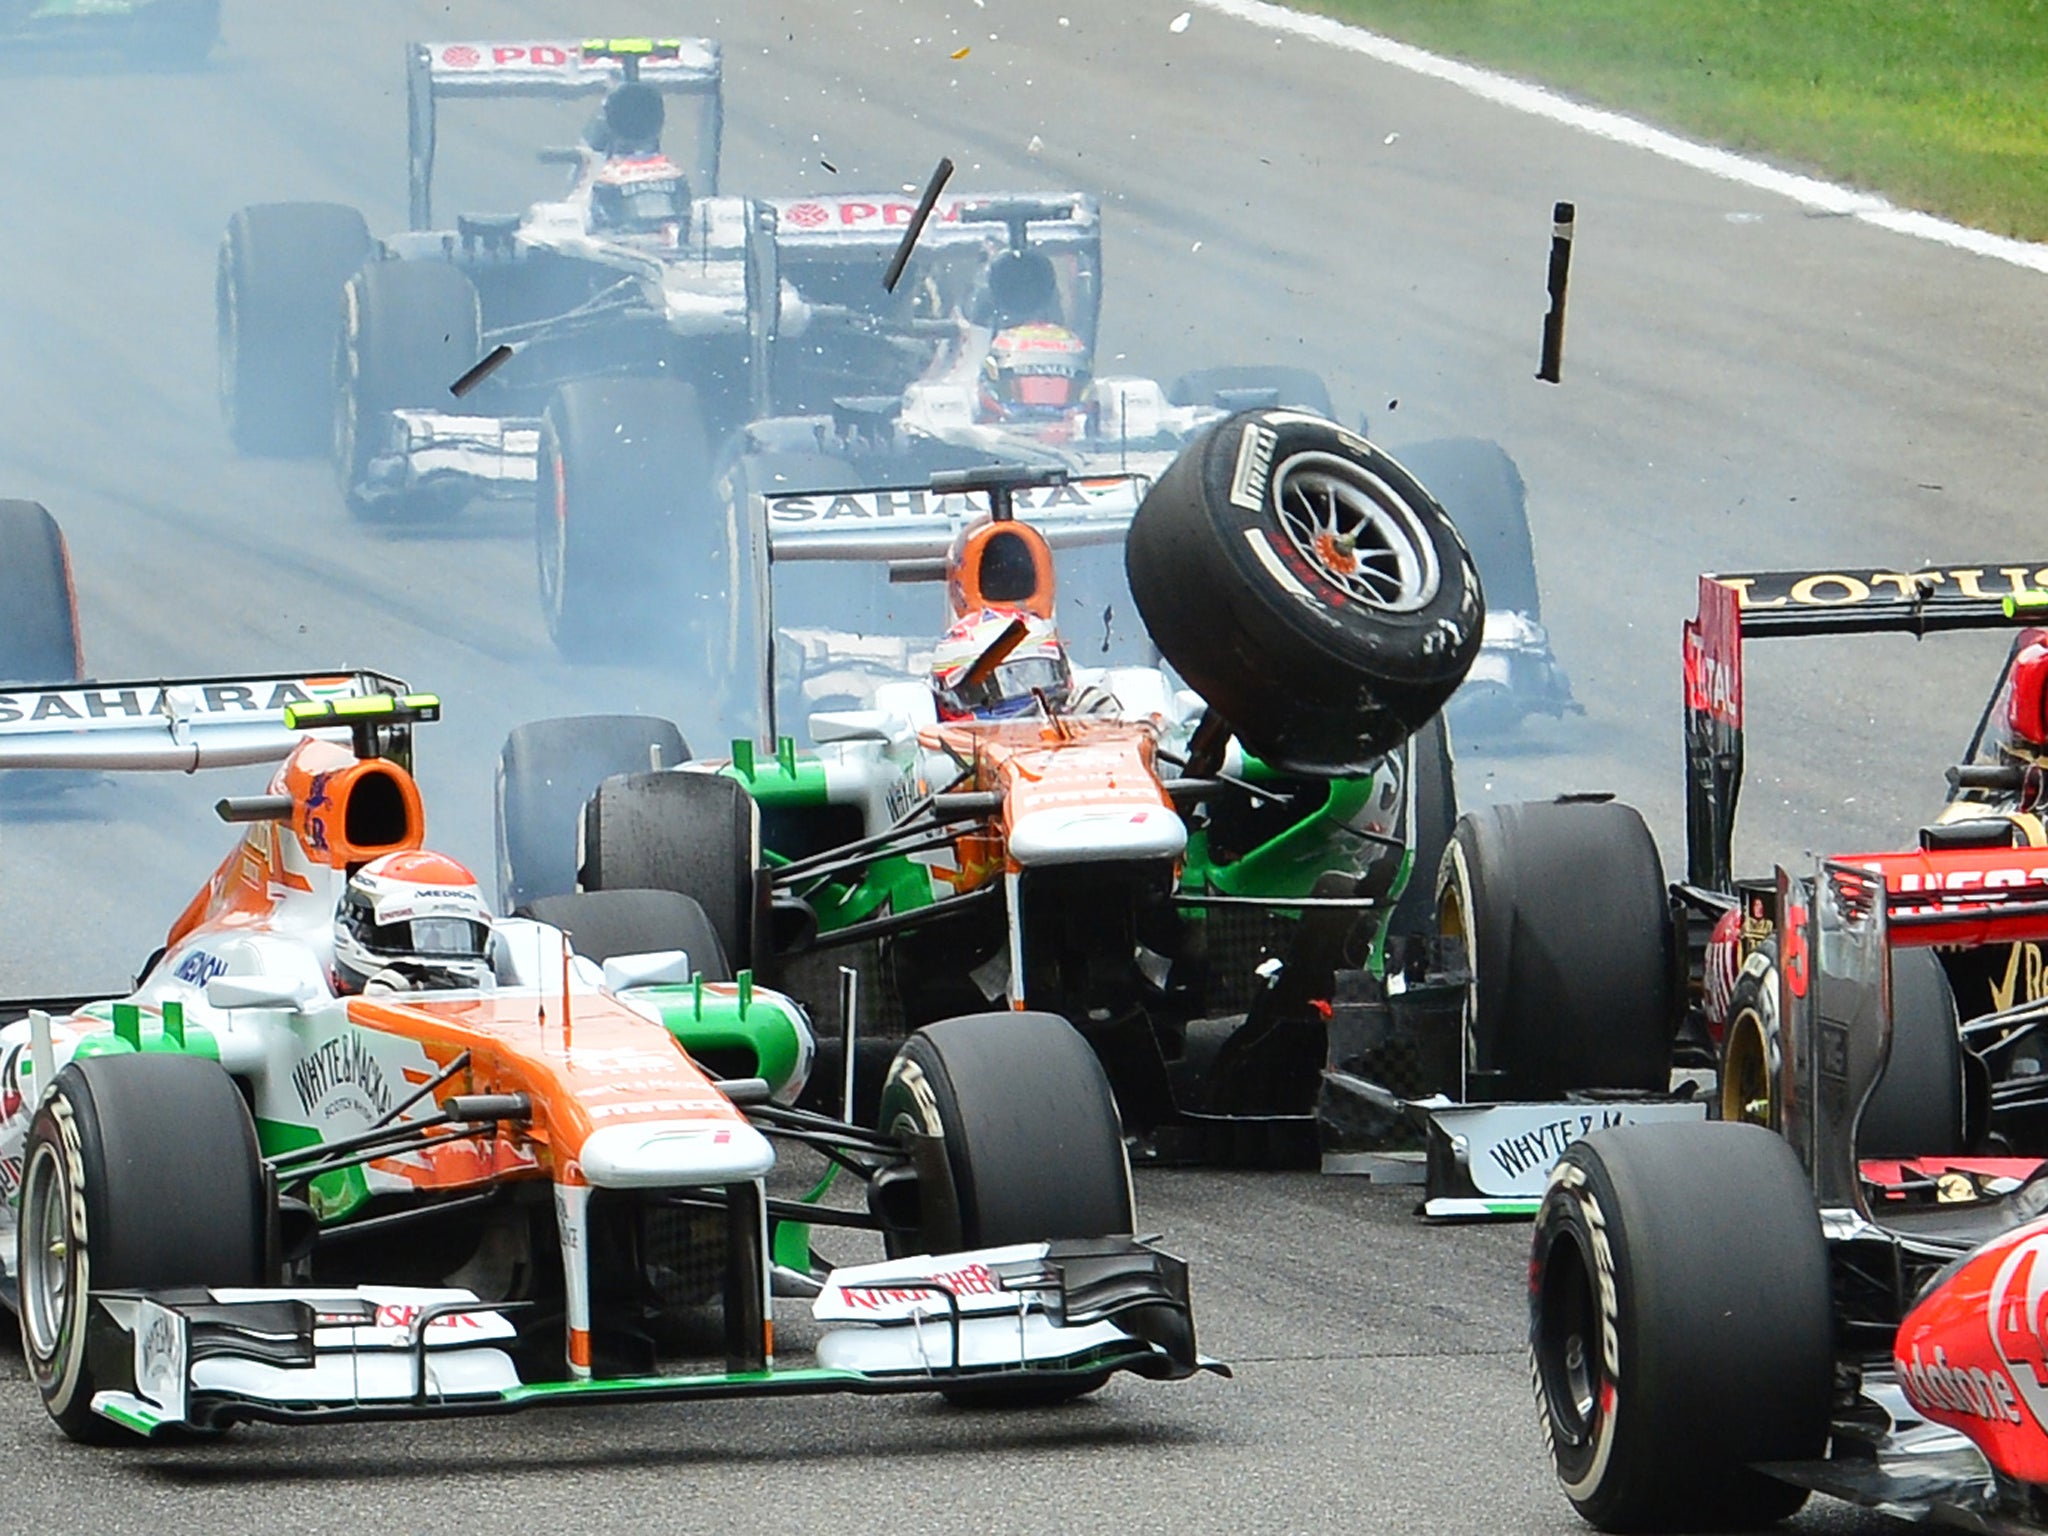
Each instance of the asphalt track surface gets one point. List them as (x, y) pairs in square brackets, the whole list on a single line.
[(1746, 385)]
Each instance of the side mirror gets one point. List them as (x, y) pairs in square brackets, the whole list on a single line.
[(829, 725), (258, 992), (654, 968)]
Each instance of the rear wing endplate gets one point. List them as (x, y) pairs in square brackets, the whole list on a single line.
[(562, 67), (1769, 604), (176, 724)]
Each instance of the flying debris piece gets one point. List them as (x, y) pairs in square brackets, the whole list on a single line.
[(829, 166), (487, 365), (1036, 146), (1180, 22), (961, 53), (1562, 218), (1390, 138), (940, 174)]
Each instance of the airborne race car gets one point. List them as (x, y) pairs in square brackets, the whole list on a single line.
[(245, 1192), (1180, 873), (637, 277)]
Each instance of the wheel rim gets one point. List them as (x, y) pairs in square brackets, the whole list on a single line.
[(1454, 922), (45, 1256), (1746, 1088), (1356, 532), (1568, 1360)]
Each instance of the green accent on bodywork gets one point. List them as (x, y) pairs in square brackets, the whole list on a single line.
[(543, 1391), (2025, 603), (332, 1195), (789, 780), (134, 1417), (128, 1025), (707, 1020), (1290, 863), (147, 1035), (791, 1240), (898, 884), (174, 1024)]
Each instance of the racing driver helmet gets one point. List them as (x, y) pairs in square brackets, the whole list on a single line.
[(1036, 669), (411, 920), (646, 194), (1036, 372)]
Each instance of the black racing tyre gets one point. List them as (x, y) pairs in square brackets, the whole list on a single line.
[(547, 769), (1917, 1108), (698, 833), (625, 531), (409, 330), (38, 604), (276, 302), (1566, 924), (1475, 481), (1307, 587), (1680, 1326), (605, 924), (1433, 790), (1034, 1149), (139, 1172), (1293, 388)]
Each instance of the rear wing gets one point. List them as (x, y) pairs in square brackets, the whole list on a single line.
[(836, 247), (911, 529), (181, 724), (1765, 604), (566, 68)]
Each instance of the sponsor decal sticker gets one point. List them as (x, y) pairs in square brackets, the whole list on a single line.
[(339, 1077)]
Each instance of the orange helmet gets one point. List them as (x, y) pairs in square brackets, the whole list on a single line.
[(1033, 672)]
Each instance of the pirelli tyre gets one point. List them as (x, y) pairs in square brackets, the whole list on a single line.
[(38, 605), (1228, 388), (547, 770), (1033, 1149), (1563, 918), (1920, 1106), (697, 833), (1307, 587), (1680, 1326), (140, 1172), (277, 306), (625, 531), (409, 329)]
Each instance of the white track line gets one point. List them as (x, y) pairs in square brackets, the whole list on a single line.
[(1520, 96)]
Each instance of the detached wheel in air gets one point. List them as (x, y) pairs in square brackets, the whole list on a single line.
[(547, 769), (625, 531), (277, 304), (1565, 922), (1680, 1326), (1034, 1149), (1308, 587), (409, 330), (139, 1172), (38, 606)]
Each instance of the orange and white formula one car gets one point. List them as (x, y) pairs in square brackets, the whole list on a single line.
[(352, 1148)]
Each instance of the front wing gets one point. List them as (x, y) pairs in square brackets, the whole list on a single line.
[(1038, 1313)]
